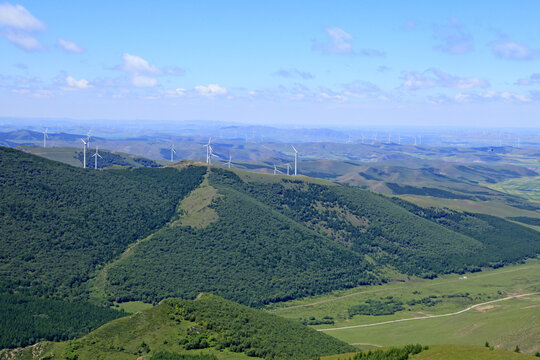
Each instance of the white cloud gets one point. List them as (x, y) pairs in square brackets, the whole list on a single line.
[(144, 81), (80, 84), (179, 92), (24, 41), (69, 46), (511, 50), (210, 90), (19, 25), (436, 78), (17, 17), (486, 96), (137, 65), (341, 42)]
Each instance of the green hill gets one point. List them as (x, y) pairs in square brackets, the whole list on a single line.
[(209, 325)]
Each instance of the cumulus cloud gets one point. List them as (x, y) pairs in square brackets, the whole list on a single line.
[(24, 41), (69, 46), (17, 17), (453, 38), (341, 42), (511, 50), (211, 90), (142, 73), (436, 78), (292, 73), (144, 81), (20, 24), (179, 92), (531, 80), (137, 65), (505, 96), (79, 84)]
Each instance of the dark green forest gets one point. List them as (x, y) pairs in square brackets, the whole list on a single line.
[(252, 255), (25, 320)]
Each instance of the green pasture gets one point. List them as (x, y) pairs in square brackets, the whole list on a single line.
[(505, 324)]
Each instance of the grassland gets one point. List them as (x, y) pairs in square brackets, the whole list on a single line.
[(195, 208), (453, 352), (504, 324), (526, 187)]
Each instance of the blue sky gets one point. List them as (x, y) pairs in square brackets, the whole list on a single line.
[(318, 63)]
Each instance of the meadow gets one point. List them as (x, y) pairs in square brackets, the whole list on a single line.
[(504, 324)]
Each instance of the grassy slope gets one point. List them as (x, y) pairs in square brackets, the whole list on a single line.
[(453, 352), (174, 324), (505, 324)]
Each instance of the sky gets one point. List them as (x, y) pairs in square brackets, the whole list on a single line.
[(297, 63)]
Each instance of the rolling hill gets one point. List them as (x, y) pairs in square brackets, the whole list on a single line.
[(72, 234)]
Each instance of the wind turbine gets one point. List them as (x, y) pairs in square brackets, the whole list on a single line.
[(96, 155), (275, 169), (84, 153), (88, 138), (208, 151), (288, 168), (45, 136), (295, 160), (229, 162), (172, 152)]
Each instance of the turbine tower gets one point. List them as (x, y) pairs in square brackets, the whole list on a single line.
[(295, 160), (88, 138), (84, 153), (229, 162), (275, 169), (96, 155), (288, 168), (172, 152), (208, 151), (45, 136)]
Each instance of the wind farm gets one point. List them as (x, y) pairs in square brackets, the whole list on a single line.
[(350, 180)]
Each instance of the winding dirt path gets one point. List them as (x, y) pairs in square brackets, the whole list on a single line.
[(431, 316)]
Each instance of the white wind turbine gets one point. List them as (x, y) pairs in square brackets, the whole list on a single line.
[(288, 168), (96, 155), (84, 153), (88, 138), (209, 152), (172, 152), (45, 136), (295, 160), (229, 162)]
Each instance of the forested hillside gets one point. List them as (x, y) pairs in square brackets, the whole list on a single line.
[(277, 238), (59, 224)]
